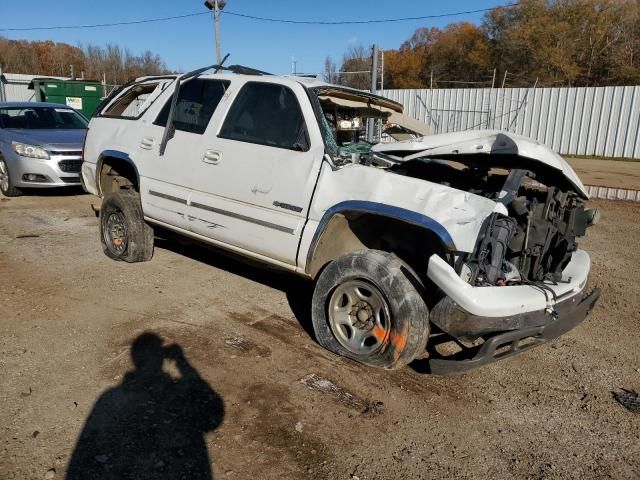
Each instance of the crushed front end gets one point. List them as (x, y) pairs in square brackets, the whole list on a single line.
[(525, 281)]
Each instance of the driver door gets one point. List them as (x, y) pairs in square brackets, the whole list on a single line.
[(259, 163)]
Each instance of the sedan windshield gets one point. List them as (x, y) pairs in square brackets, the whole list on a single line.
[(40, 118)]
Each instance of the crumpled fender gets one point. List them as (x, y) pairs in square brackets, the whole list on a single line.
[(449, 211)]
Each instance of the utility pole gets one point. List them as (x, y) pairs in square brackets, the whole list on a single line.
[(374, 69), (215, 6), (2, 94), (382, 68), (374, 88)]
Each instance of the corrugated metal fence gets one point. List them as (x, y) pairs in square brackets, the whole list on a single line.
[(599, 121)]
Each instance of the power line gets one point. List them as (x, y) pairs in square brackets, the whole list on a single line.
[(359, 22), (263, 19), (98, 25)]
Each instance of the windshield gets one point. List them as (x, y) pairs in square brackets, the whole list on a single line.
[(39, 118)]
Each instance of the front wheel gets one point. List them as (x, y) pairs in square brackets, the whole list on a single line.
[(123, 232), (6, 186), (368, 306)]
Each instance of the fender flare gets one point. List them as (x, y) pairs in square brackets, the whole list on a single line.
[(113, 154), (382, 210)]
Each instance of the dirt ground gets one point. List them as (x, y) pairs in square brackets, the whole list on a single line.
[(248, 394), (607, 173)]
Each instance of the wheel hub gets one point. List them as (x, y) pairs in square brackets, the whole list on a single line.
[(116, 233), (359, 316), (362, 316)]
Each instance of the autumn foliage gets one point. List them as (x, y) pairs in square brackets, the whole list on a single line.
[(59, 59), (543, 42)]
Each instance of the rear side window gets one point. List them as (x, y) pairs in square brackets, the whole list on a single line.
[(135, 101), (266, 114), (197, 100)]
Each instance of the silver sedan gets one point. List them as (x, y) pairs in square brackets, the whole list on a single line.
[(40, 146)]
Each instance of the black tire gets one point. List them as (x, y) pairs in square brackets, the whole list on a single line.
[(123, 232), (407, 328), (6, 187)]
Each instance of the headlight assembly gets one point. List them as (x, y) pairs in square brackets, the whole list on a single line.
[(32, 151)]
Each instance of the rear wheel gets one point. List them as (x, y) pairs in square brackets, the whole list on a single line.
[(123, 232), (6, 187), (368, 306)]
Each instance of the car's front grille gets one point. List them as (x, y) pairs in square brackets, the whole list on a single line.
[(70, 166), (67, 153), (70, 179)]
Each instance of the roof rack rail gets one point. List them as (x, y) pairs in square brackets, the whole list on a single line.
[(241, 69)]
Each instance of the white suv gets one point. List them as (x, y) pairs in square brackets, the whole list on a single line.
[(465, 238)]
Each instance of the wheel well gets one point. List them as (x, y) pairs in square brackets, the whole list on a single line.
[(115, 174), (351, 231)]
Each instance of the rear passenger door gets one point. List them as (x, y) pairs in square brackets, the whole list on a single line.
[(166, 186), (258, 167)]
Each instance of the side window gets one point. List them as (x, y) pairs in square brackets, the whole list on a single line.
[(197, 100), (135, 101), (267, 114)]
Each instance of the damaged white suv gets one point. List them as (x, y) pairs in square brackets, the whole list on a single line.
[(457, 248)]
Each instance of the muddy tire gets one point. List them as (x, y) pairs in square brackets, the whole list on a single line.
[(123, 232), (6, 186), (368, 306)]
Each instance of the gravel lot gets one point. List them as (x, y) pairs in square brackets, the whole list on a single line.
[(252, 396), (607, 173)]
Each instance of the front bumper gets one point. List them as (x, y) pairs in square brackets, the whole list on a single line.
[(570, 313), (51, 169), (511, 300), (510, 319)]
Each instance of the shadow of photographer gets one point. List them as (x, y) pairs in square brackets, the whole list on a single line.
[(151, 425)]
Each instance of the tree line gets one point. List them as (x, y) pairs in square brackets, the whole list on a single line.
[(117, 64), (538, 42)]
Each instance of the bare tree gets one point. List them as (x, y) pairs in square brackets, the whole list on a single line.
[(330, 73), (356, 67)]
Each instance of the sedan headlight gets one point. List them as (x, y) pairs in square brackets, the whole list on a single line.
[(32, 151)]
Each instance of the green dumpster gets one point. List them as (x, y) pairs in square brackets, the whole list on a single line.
[(83, 95)]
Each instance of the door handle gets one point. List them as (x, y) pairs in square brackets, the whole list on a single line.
[(212, 157), (146, 143)]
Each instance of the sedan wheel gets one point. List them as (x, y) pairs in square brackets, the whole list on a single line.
[(6, 188)]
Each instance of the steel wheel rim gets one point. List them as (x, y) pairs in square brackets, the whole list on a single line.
[(359, 317), (115, 233), (4, 176)]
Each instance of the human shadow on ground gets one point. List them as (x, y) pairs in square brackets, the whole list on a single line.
[(151, 425)]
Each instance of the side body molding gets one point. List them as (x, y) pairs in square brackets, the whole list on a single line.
[(382, 210)]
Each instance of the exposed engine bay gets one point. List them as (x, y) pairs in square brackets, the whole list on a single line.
[(534, 242)]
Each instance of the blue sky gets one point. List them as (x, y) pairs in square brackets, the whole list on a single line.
[(188, 43)]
